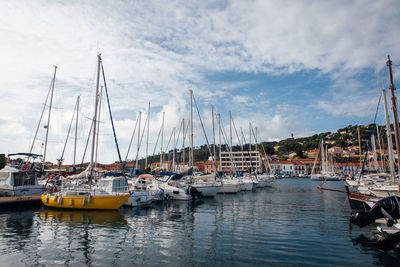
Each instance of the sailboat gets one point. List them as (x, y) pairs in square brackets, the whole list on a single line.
[(85, 195), (326, 173), (207, 185), (19, 179)]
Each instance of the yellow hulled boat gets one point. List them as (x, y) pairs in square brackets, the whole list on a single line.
[(79, 196), (85, 201)]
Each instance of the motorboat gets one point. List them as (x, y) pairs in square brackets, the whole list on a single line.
[(19, 180)]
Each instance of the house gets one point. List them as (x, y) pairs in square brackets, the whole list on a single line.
[(200, 166), (336, 151), (313, 153), (209, 166), (155, 166), (304, 166), (282, 167)]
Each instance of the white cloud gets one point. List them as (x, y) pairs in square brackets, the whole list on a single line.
[(359, 106), (155, 51)]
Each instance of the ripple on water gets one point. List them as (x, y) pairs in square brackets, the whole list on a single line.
[(291, 223)]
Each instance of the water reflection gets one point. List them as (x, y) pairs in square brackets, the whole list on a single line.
[(367, 244), (100, 218), (16, 227), (289, 224)]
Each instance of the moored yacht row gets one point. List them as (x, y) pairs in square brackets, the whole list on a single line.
[(62, 192), (85, 190)]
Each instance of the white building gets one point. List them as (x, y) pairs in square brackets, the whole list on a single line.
[(241, 161), (282, 167)]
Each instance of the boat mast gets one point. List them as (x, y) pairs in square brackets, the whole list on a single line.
[(183, 144), (375, 155), (389, 136), (250, 146), (191, 129), (394, 110), (76, 128), (147, 139), (230, 128), (138, 142), (48, 118), (213, 127), (219, 145), (98, 127), (322, 157), (95, 116), (359, 144), (173, 151), (380, 148), (256, 145), (162, 140)]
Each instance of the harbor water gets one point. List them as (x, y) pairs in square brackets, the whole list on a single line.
[(291, 223)]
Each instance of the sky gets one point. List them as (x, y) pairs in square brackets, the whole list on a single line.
[(300, 67)]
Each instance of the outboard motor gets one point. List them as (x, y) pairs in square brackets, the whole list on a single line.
[(194, 192), (388, 208)]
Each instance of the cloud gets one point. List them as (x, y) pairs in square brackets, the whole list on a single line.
[(360, 106), (156, 51)]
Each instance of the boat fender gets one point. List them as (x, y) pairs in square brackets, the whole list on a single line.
[(90, 199), (47, 199), (84, 201), (71, 202), (60, 200)]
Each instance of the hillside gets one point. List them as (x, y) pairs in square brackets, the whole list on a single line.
[(343, 137)]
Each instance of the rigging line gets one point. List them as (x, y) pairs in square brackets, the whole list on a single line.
[(169, 153), (66, 139), (186, 131), (179, 133), (262, 145), (205, 135), (41, 116), (141, 137), (176, 142), (248, 151), (112, 122), (380, 131), (91, 119), (154, 151), (229, 149), (166, 150), (130, 143), (369, 141), (234, 127), (87, 143)]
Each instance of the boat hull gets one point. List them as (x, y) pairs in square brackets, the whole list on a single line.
[(229, 188), (244, 186), (264, 181), (208, 191), (113, 202), (174, 193), (139, 198)]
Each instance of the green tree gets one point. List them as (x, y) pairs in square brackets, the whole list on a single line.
[(269, 149)]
